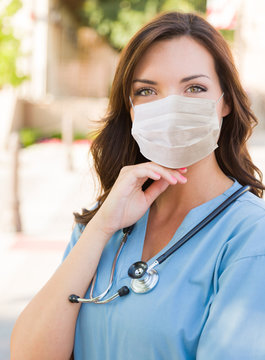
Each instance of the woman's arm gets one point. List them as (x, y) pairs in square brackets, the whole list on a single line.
[(45, 329)]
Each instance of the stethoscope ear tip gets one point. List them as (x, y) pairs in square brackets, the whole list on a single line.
[(123, 291), (74, 298)]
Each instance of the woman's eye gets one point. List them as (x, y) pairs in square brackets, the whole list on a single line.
[(144, 92), (195, 89)]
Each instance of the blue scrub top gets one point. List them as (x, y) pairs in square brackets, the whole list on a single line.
[(209, 302)]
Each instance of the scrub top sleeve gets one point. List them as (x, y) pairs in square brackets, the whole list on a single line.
[(235, 328), (78, 229)]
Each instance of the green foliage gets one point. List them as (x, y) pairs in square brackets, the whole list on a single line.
[(9, 46), (30, 136), (229, 35), (118, 20), (198, 6)]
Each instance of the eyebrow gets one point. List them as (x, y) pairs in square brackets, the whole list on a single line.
[(186, 79), (145, 81)]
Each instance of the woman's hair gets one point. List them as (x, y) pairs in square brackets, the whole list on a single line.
[(115, 147)]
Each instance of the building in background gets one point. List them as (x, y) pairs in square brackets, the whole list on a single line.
[(70, 70), (250, 52), (63, 59), (246, 19), (222, 14)]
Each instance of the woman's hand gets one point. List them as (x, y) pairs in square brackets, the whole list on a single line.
[(127, 202)]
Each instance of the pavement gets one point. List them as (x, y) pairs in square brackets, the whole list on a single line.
[(49, 193)]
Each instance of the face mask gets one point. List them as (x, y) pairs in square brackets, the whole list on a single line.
[(176, 131)]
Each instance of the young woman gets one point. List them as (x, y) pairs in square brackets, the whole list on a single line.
[(173, 149)]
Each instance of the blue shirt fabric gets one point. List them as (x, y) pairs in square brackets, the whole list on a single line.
[(209, 302)]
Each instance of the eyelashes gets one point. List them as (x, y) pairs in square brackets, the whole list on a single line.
[(144, 91), (196, 89), (192, 89)]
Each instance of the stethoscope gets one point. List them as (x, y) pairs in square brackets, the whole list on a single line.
[(145, 278)]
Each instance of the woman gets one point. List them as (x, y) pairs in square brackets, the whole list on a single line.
[(175, 94)]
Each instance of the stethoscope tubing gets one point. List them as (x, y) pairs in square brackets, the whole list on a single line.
[(202, 224), (126, 231), (99, 297)]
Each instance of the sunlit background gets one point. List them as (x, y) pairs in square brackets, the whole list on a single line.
[(57, 61)]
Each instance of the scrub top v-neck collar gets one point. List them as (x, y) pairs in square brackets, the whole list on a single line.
[(133, 249)]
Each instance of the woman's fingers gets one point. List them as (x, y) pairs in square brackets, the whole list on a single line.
[(153, 171), (171, 175), (127, 202), (154, 190), (160, 185), (140, 173)]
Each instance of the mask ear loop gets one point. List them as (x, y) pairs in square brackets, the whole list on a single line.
[(217, 101), (131, 103), (221, 123)]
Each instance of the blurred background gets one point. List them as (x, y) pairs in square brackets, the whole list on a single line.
[(57, 61)]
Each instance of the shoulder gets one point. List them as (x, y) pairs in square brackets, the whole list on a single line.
[(76, 233), (246, 220), (251, 203), (246, 211)]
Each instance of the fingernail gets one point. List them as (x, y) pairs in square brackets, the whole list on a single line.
[(158, 176), (174, 179), (183, 178), (183, 168)]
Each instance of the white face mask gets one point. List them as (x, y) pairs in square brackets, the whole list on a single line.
[(176, 131)]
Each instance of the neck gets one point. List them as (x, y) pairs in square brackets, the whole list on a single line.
[(205, 182)]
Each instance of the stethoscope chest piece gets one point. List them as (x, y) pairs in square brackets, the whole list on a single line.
[(143, 280)]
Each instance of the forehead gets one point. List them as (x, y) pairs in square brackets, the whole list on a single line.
[(178, 57)]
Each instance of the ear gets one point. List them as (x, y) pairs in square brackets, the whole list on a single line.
[(226, 108)]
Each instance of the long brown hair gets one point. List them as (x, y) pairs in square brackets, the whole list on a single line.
[(114, 147)]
